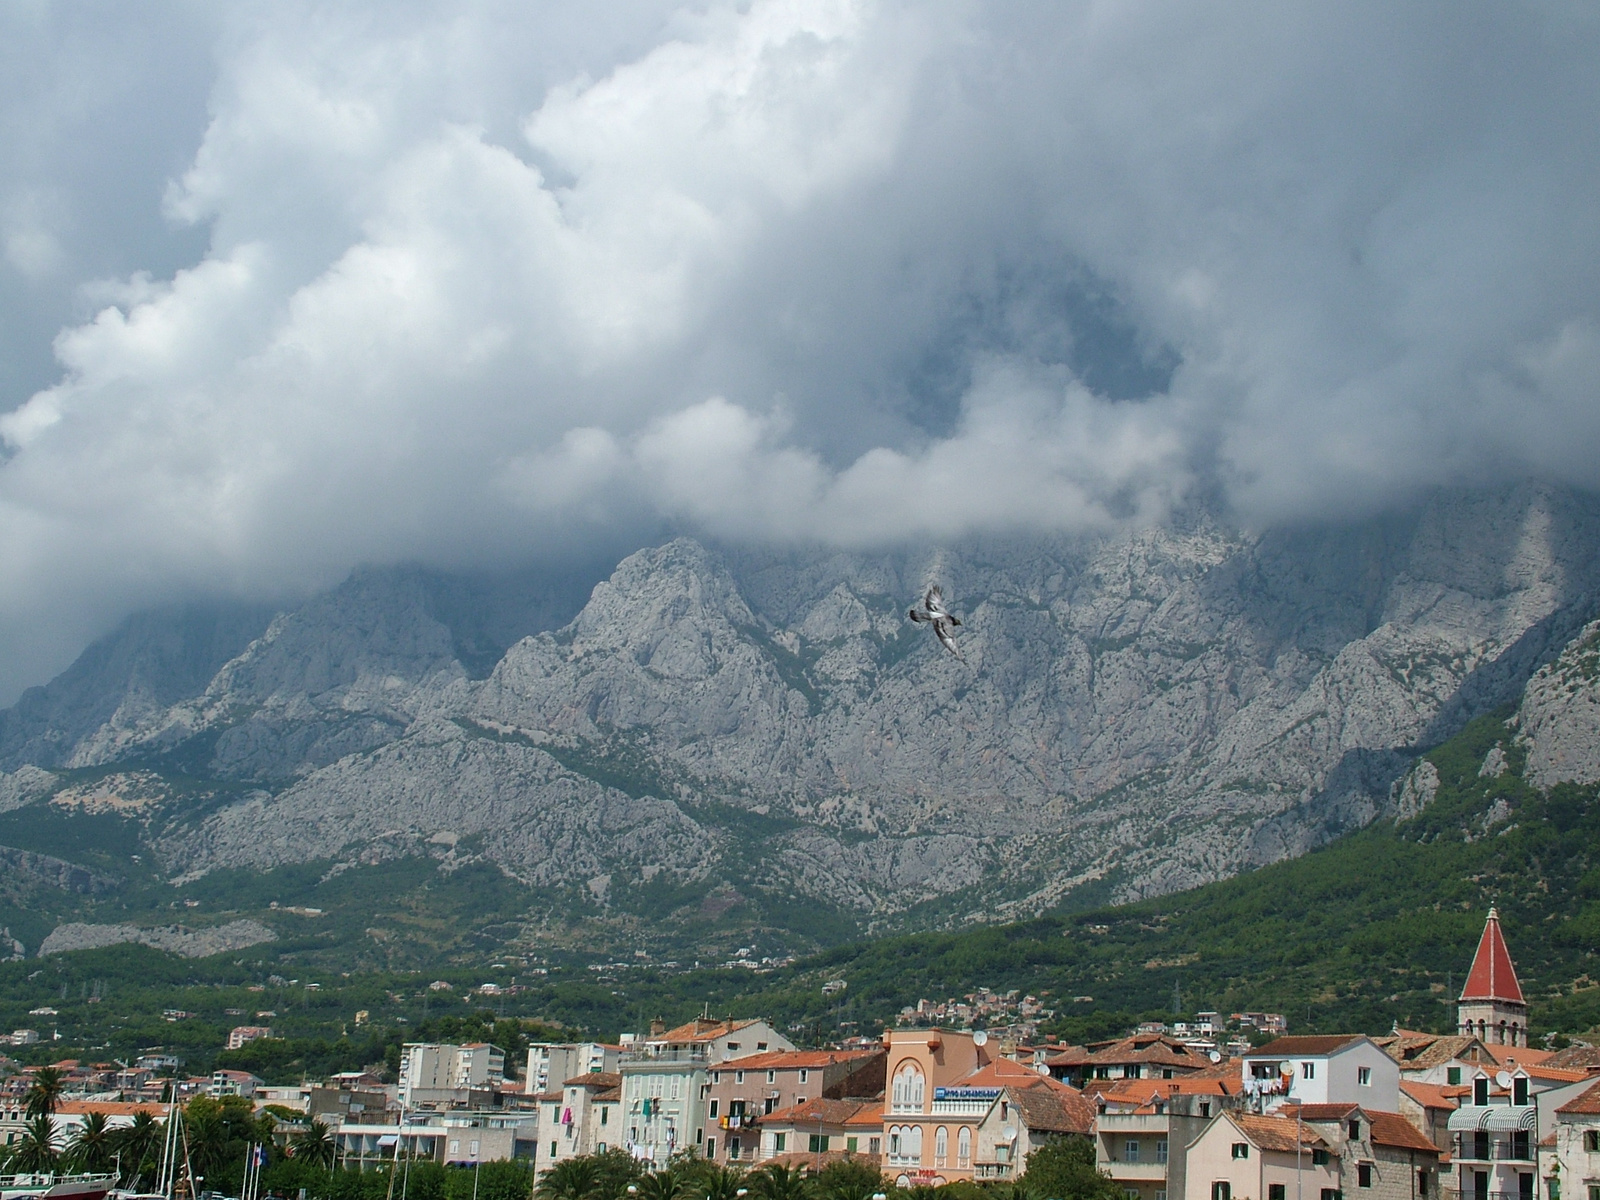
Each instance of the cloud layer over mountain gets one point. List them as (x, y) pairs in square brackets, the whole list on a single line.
[(475, 282)]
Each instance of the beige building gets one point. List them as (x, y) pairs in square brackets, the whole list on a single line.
[(442, 1075), (814, 1133), (582, 1117), (745, 1092), (1027, 1114), (1240, 1156), (1143, 1127), (1380, 1155)]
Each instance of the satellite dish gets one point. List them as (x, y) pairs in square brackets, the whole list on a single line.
[(981, 1038), (1215, 1056), (1503, 1079), (1287, 1070), (1043, 1068), (1008, 1134)]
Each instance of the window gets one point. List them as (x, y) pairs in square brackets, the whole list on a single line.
[(733, 1047), (675, 1082), (1364, 1175), (738, 1076), (1308, 1070), (941, 1146), (799, 1099), (770, 1104), (916, 1142), (907, 1092), (1422, 1184), (964, 1144), (805, 1075), (851, 1144), (1161, 1194), (1452, 1076), (1205, 1108), (874, 1145), (716, 1077), (734, 1146), (1332, 1194), (1166, 1072), (1241, 1150), (605, 1114), (1364, 1076), (713, 1112), (1130, 1150), (894, 1145), (1130, 1193), (1480, 1091), (600, 1148), (1161, 1150), (1591, 1140), (1519, 1090), (1355, 1131), (1594, 1191), (1131, 1071), (552, 1148), (1221, 1190), (1319, 1158), (1480, 1144), (1275, 1191), (772, 1077), (779, 1140), (711, 1147)]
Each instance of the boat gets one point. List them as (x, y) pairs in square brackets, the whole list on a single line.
[(50, 1186)]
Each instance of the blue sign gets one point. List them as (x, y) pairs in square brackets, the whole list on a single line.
[(961, 1093)]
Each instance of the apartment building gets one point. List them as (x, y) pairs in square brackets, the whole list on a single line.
[(746, 1091), (582, 1117), (1334, 1069), (441, 1075), (666, 1081), (551, 1063), (1379, 1155), (1142, 1128)]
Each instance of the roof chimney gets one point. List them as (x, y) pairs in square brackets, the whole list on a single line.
[(657, 1027)]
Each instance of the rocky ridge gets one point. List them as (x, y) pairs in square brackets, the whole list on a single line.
[(1142, 711)]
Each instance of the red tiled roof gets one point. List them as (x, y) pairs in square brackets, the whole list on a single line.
[(1576, 1056), (1046, 1109), (1290, 1047), (1492, 976), (699, 1031), (1391, 1129), (1001, 1072), (825, 1112), (600, 1080), (1585, 1103), (1275, 1133), (778, 1060), (1326, 1112), (109, 1108), (1434, 1095), (1522, 1056)]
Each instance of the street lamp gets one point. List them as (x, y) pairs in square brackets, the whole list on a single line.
[(633, 1189)]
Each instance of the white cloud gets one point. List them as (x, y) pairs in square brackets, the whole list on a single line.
[(486, 280)]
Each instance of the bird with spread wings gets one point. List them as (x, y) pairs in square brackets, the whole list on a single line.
[(933, 612)]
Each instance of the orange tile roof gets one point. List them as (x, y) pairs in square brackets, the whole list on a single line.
[(1322, 1112), (1391, 1129), (822, 1112), (1522, 1056), (1434, 1095), (1275, 1133), (1492, 976), (1047, 1110), (700, 1031), (109, 1108), (1585, 1103), (600, 1080), (779, 1060), (1576, 1055), (869, 1114), (1289, 1047)]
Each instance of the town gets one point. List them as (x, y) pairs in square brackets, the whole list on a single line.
[(1215, 1108)]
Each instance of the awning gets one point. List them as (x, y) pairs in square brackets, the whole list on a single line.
[(1504, 1117), (1469, 1119)]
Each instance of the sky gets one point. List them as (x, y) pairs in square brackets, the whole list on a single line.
[(290, 287)]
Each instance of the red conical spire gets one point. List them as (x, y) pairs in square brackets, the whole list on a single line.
[(1492, 976)]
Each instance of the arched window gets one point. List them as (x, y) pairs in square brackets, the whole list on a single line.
[(941, 1146), (915, 1153), (894, 1141), (908, 1093), (964, 1144)]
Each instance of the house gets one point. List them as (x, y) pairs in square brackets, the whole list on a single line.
[(930, 1115), (1428, 1107), (233, 1083), (745, 1091), (1570, 1164), (1142, 1128), (582, 1117), (1027, 1114), (1496, 1131), (443, 1075), (1255, 1157), (559, 1061), (1334, 1069), (813, 1133), (1436, 1058), (1141, 1056), (666, 1081), (1380, 1155), (240, 1035), (1491, 1006)]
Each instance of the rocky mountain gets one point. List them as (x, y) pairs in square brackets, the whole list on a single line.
[(1139, 712)]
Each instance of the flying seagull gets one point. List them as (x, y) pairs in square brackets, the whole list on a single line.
[(933, 612)]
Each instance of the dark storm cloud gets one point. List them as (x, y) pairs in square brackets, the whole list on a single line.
[(487, 282)]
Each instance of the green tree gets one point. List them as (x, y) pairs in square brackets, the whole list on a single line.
[(139, 1144), (508, 1179), (778, 1182), (570, 1179), (659, 1185), (37, 1148), (91, 1146), (1063, 1169), (848, 1179), (315, 1146), (44, 1093)]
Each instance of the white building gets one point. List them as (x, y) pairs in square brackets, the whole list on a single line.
[(440, 1075), (1335, 1069), (552, 1063)]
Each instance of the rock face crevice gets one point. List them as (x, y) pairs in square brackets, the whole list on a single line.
[(1140, 711)]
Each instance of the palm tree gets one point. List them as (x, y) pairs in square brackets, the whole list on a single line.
[(139, 1144), (315, 1146), (849, 1180), (45, 1091), (570, 1179), (208, 1142), (37, 1148), (660, 1185), (717, 1183), (778, 1182), (90, 1147)]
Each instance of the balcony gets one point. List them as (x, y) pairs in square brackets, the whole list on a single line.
[(1135, 1172), (1475, 1149), (1151, 1123), (645, 1056), (993, 1170)]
